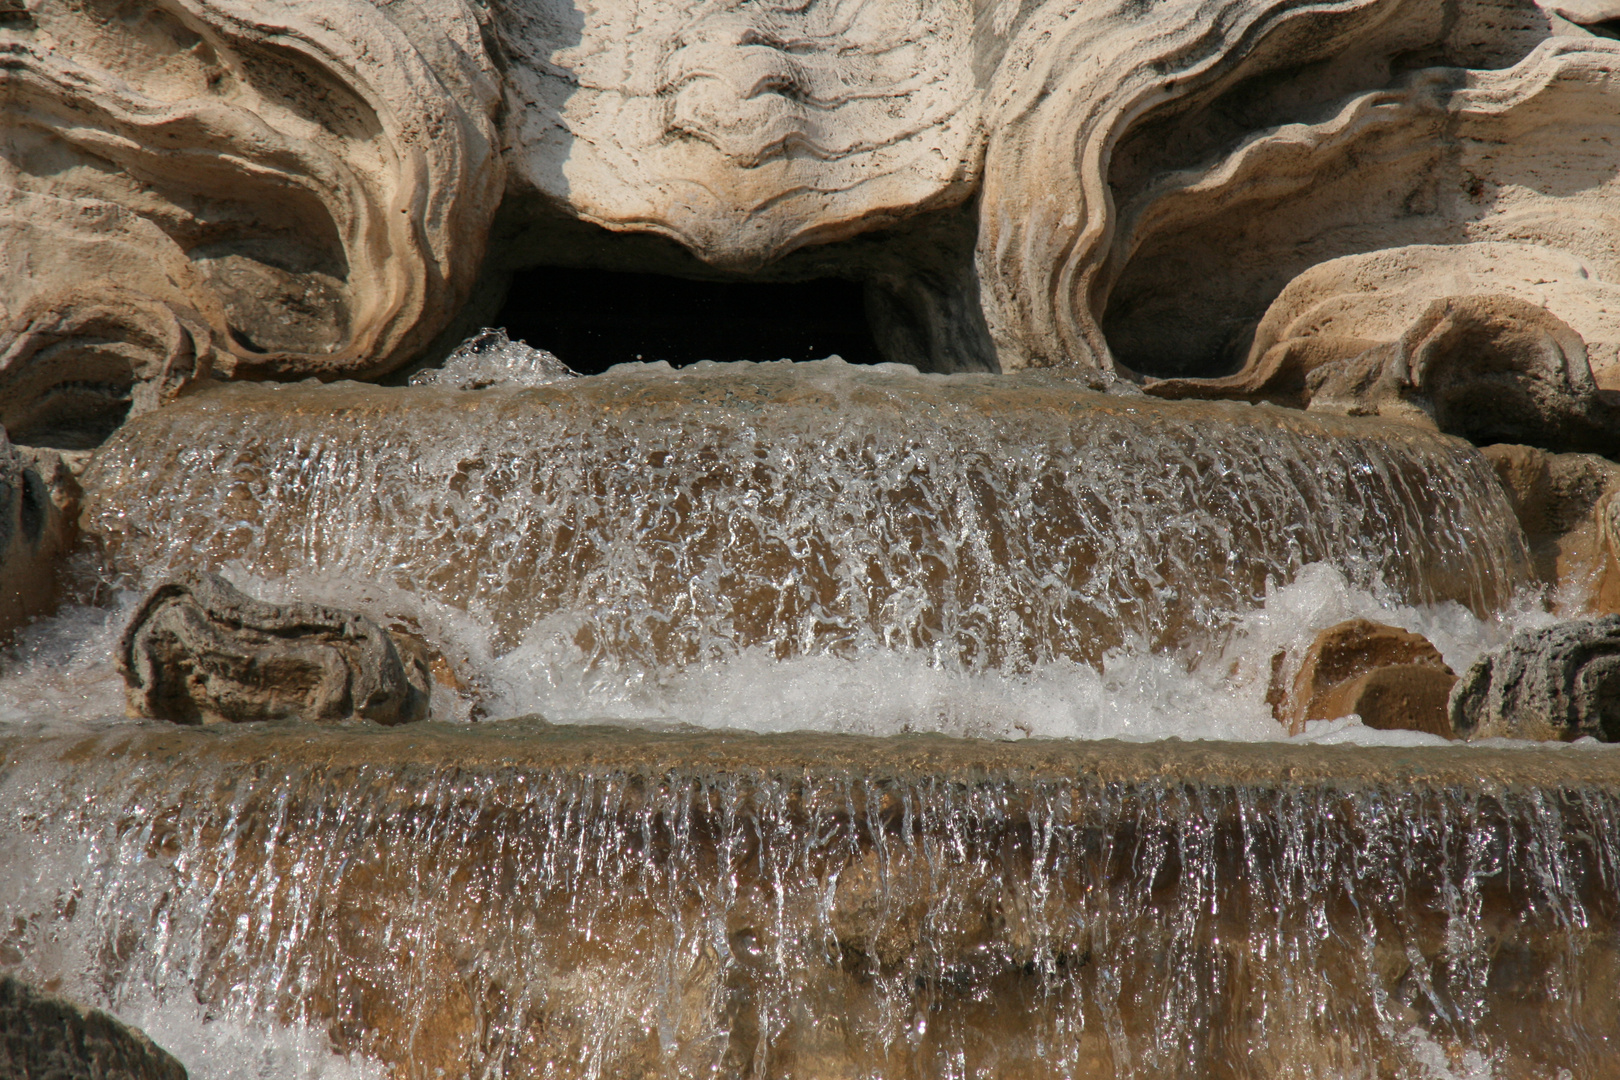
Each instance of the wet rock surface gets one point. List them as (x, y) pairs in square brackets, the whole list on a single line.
[(1392, 678), (577, 893), (39, 501), (200, 651), (44, 1037), (1561, 682)]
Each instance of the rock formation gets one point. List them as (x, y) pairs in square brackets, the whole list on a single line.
[(1391, 678), (199, 651), (247, 188), (1488, 368), (1562, 682), (39, 506), (44, 1037), (1566, 505), (256, 188)]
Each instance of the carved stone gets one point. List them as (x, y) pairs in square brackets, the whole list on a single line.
[(1562, 682), (264, 188), (1489, 368), (199, 651)]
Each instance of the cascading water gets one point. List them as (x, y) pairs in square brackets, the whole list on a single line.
[(597, 903), (614, 536), (811, 546)]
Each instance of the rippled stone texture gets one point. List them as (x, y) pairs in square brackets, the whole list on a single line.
[(43, 1037), (655, 519), (1562, 682), (199, 651), (260, 187), (516, 898)]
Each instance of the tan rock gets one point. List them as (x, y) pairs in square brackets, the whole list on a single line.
[(1390, 677), (1489, 368)]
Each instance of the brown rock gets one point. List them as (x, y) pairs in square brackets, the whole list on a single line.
[(1566, 505), (39, 505), (199, 651), (1392, 678), (47, 1037)]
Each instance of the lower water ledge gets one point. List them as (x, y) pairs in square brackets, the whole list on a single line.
[(523, 899)]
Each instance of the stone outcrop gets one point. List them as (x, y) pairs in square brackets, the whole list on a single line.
[(1491, 369), (39, 507), (44, 1037), (259, 188), (199, 651), (1561, 682), (1392, 678)]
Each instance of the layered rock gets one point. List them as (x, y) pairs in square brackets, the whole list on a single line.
[(248, 188), (1561, 682), (47, 1037), (257, 188), (199, 651)]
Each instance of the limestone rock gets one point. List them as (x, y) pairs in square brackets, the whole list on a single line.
[(1561, 682), (39, 507), (265, 188), (199, 651), (1488, 368), (1391, 678), (44, 1037), (237, 187)]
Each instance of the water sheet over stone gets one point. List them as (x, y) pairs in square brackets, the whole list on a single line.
[(521, 899), (655, 519)]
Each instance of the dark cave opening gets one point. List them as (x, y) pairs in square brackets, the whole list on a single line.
[(593, 319)]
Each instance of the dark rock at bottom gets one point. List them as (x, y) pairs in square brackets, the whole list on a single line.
[(43, 1037)]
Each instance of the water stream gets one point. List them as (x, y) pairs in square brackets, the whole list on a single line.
[(792, 548)]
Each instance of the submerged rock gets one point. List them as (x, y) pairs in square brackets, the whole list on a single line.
[(1392, 678), (39, 501), (200, 651), (490, 358), (46, 1037), (1560, 682)]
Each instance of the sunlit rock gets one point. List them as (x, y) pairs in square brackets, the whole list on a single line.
[(46, 1037), (1562, 682), (1392, 678), (199, 651), (1488, 368), (273, 189), (256, 189)]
